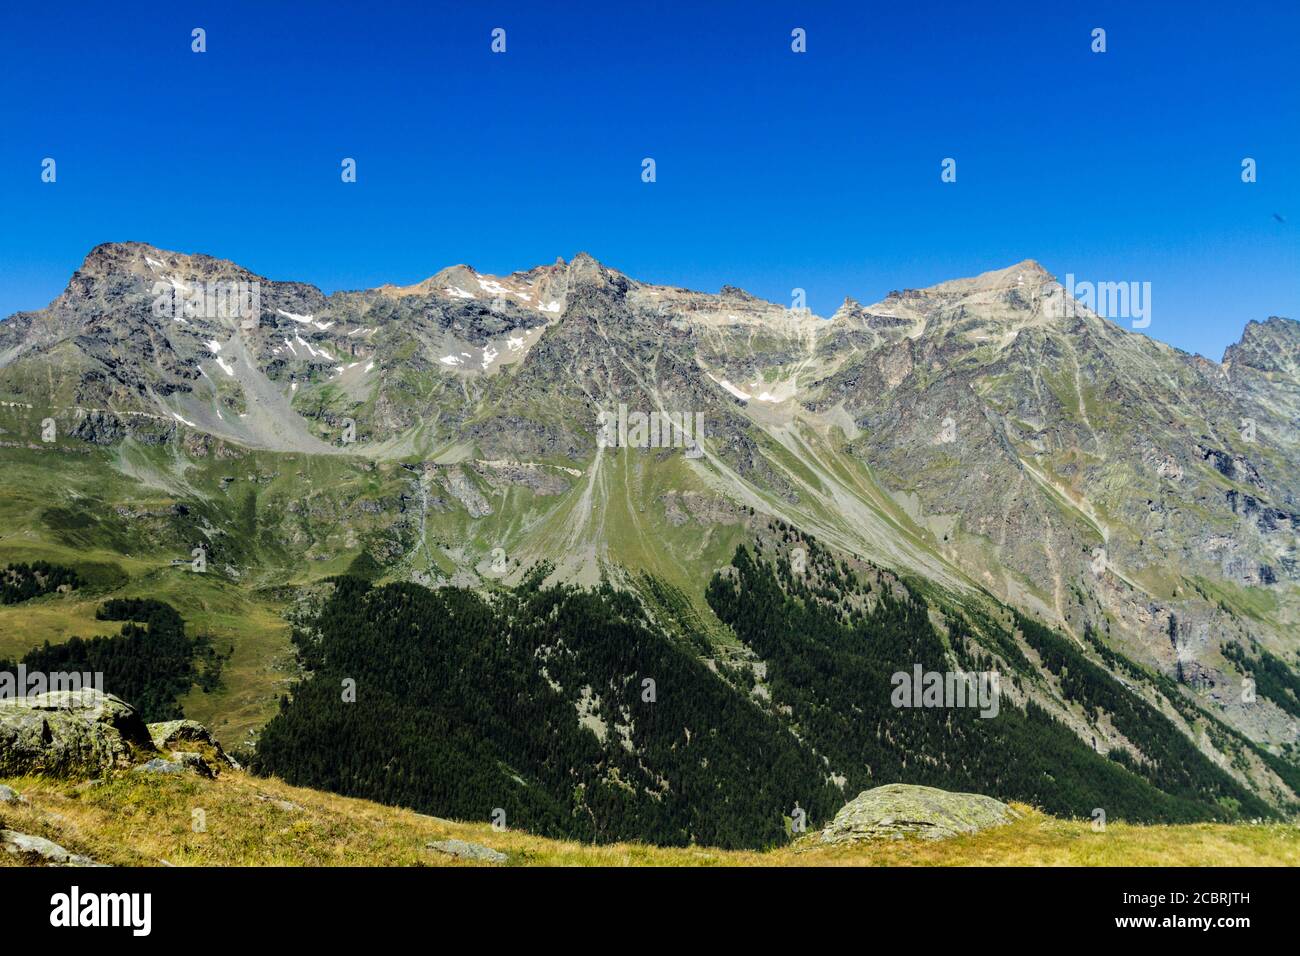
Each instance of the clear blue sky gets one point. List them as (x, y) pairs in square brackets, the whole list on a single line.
[(775, 169)]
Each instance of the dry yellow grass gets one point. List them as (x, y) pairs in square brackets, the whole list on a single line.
[(139, 820)]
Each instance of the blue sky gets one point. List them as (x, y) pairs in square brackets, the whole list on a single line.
[(775, 170)]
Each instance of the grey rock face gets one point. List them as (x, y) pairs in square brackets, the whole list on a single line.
[(87, 733), (463, 490), (897, 810), (468, 851), (69, 733)]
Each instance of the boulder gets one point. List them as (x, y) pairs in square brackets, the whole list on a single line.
[(191, 760), (898, 809), (468, 851), (158, 765), (10, 795), (285, 805), (40, 850), (192, 744), (80, 733)]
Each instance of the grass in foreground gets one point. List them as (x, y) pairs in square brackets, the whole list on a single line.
[(138, 820)]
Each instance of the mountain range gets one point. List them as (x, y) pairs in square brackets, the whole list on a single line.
[(989, 449)]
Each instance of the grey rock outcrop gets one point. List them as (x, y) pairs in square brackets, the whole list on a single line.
[(28, 847), (464, 491), (88, 733), (897, 810), (465, 850), (191, 744), (159, 765), (69, 734)]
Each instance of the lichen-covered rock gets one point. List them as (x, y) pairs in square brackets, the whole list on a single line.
[(192, 760), (69, 734), (10, 795), (465, 850), (897, 809), (191, 744), (159, 765), (38, 849)]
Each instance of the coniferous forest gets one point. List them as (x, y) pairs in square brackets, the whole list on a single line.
[(464, 708), (579, 713), (22, 582), (149, 663), (833, 670)]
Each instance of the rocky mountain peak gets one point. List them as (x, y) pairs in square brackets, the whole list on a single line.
[(1024, 275), (584, 260), (1269, 346), (586, 266), (459, 276), (119, 259), (110, 257), (586, 275), (850, 306), (991, 307), (731, 293)]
